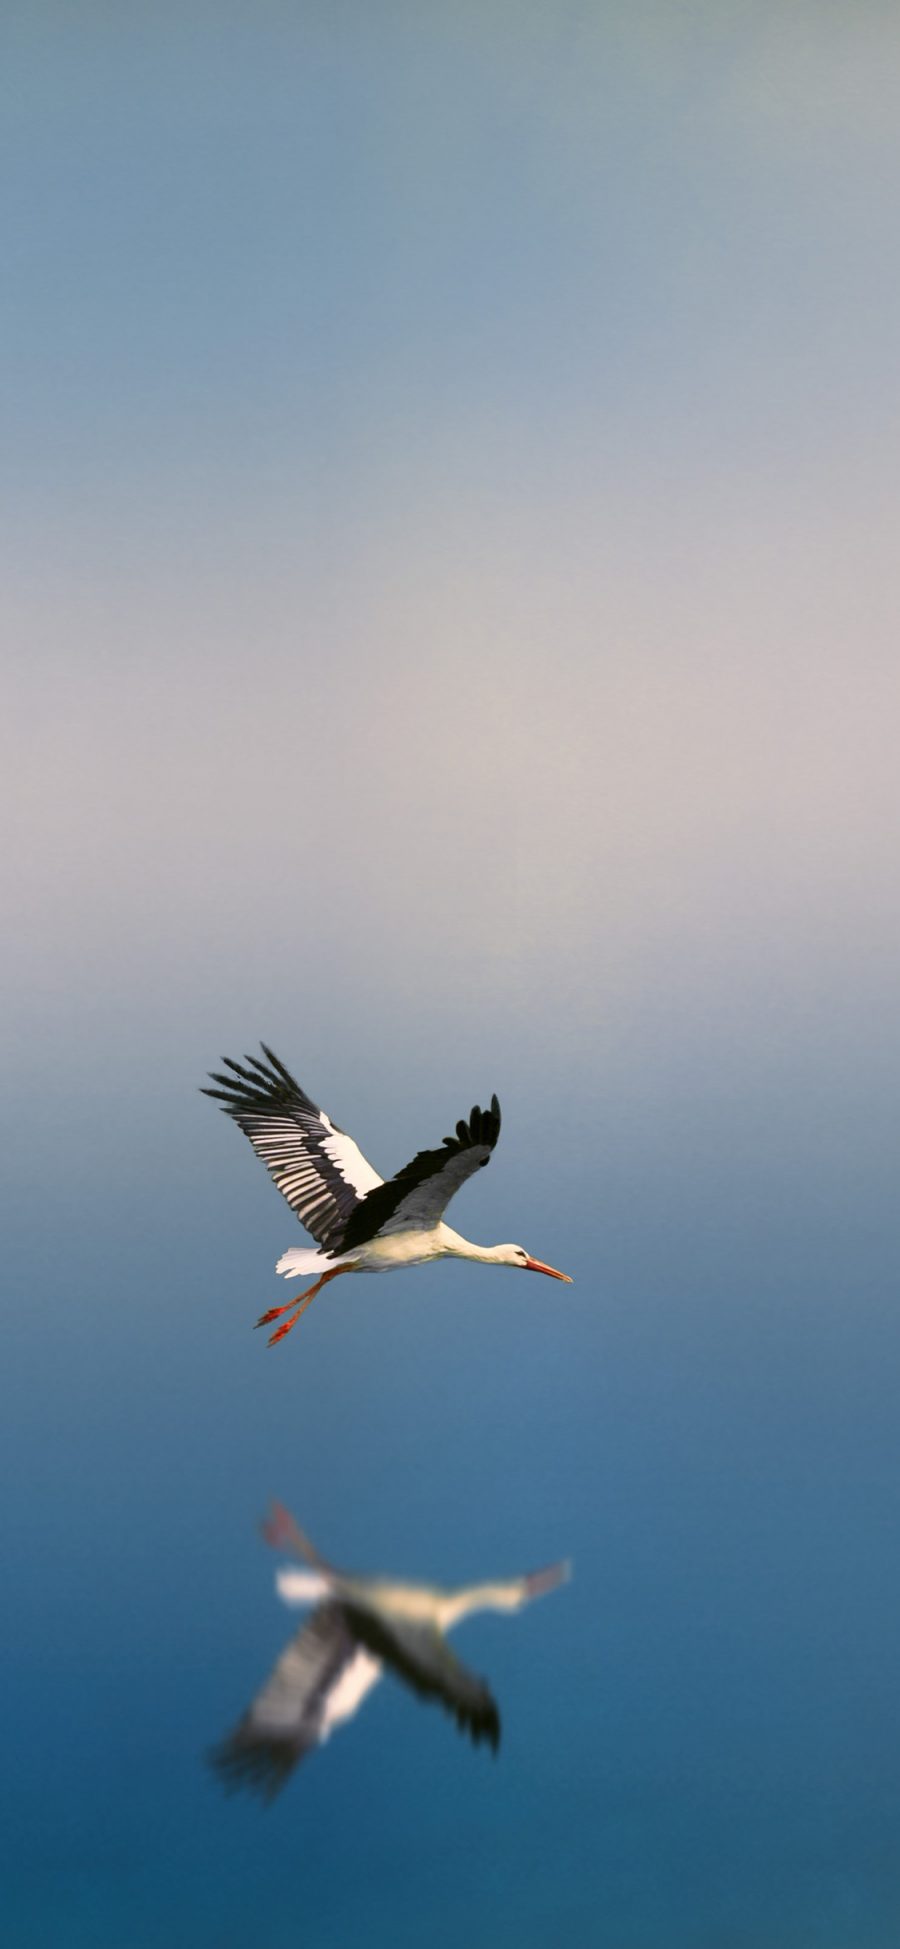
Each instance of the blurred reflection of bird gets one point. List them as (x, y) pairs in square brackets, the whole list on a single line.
[(361, 1223), (361, 1627)]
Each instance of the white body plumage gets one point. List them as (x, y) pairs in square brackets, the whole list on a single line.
[(391, 1251)]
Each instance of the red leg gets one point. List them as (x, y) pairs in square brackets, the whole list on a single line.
[(274, 1313), (285, 1328), (301, 1306)]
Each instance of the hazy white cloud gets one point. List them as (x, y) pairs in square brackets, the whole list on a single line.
[(491, 589)]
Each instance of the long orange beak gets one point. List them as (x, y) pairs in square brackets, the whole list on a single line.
[(536, 1265)]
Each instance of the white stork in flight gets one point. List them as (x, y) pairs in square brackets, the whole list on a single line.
[(360, 1222), (360, 1628)]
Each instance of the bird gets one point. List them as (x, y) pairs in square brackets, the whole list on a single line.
[(361, 1222), (360, 1628)]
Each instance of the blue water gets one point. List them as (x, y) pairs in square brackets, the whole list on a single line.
[(698, 1733)]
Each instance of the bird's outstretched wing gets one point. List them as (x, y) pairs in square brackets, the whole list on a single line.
[(422, 1658), (320, 1680), (417, 1197), (319, 1169)]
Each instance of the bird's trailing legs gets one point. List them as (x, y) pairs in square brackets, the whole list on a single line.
[(301, 1304)]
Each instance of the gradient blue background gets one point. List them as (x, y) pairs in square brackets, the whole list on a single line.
[(450, 480)]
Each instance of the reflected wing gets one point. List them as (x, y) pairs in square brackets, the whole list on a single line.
[(419, 1194), (319, 1681), (319, 1169), (421, 1657)]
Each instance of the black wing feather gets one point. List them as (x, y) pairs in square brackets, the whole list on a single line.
[(421, 1657), (319, 1169), (285, 1721), (433, 1174)]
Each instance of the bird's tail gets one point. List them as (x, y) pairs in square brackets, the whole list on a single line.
[(301, 1586), (302, 1260)]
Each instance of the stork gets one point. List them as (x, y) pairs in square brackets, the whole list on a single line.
[(360, 1628), (360, 1222)]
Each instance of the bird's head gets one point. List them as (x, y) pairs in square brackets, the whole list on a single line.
[(516, 1255)]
